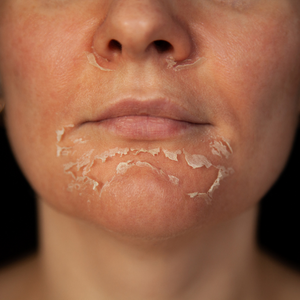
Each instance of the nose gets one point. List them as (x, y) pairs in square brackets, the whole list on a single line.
[(138, 29)]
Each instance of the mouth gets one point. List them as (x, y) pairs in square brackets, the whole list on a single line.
[(148, 119)]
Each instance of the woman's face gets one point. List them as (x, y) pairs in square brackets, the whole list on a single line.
[(150, 118)]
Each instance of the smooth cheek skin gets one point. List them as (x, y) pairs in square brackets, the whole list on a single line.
[(247, 89)]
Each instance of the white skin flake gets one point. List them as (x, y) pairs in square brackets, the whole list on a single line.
[(197, 160), (112, 152), (219, 149), (223, 173), (187, 64), (67, 168), (60, 133), (196, 195), (80, 183), (92, 60), (172, 155), (123, 167), (79, 141), (86, 162), (173, 179), (63, 151), (228, 145), (193, 195), (147, 165), (153, 152)]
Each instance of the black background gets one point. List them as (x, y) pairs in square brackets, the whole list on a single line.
[(278, 228)]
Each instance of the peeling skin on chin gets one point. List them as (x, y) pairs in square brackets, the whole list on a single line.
[(79, 169), (61, 132), (153, 152), (172, 155), (198, 161)]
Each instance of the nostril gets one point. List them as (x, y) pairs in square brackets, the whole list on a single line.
[(115, 45), (162, 46)]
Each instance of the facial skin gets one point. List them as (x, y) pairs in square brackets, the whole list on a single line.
[(245, 91)]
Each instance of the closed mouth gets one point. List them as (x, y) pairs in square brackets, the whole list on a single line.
[(147, 119)]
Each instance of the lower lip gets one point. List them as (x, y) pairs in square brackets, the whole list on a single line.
[(145, 127)]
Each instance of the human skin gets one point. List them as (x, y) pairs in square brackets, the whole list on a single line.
[(246, 91), (251, 100)]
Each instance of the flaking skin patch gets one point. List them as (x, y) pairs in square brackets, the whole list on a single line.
[(81, 167)]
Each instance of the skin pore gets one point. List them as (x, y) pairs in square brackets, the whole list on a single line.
[(124, 115)]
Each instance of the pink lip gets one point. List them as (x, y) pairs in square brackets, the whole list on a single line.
[(147, 119)]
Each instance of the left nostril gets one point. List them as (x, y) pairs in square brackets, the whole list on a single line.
[(115, 45), (162, 46)]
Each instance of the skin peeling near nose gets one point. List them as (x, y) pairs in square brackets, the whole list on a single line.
[(92, 60), (187, 64)]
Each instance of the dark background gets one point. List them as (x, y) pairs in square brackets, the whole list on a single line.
[(278, 229)]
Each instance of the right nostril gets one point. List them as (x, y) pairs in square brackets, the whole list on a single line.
[(162, 46), (115, 45)]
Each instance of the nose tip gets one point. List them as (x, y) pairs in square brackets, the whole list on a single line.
[(136, 29)]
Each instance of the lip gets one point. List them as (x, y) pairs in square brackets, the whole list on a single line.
[(147, 119)]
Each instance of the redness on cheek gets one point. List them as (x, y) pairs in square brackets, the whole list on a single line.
[(79, 170)]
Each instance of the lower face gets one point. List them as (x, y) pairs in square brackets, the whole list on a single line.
[(145, 176)]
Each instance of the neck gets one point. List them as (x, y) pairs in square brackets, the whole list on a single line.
[(81, 261)]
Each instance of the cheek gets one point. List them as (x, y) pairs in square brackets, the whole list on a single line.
[(39, 71), (42, 60), (260, 73)]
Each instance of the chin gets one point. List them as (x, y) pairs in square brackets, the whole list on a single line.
[(141, 204), (144, 205)]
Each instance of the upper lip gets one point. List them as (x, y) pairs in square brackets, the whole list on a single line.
[(161, 108)]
